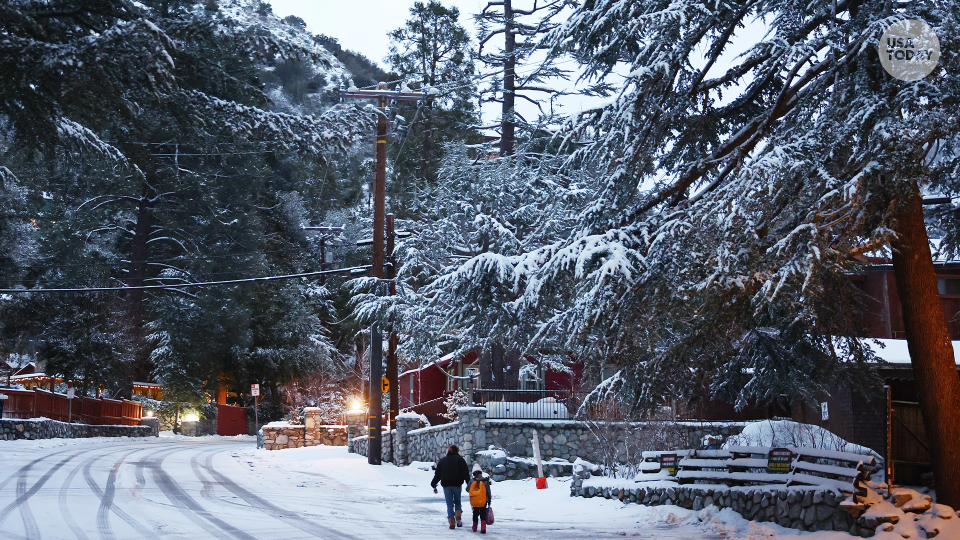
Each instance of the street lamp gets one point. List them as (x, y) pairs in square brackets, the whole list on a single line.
[(474, 374)]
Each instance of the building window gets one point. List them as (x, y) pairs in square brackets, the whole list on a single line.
[(531, 377), (451, 382), (607, 371)]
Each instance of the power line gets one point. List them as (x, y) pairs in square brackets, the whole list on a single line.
[(187, 285)]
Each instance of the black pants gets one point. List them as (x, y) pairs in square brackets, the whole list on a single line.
[(480, 512)]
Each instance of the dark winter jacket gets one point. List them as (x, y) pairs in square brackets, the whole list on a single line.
[(451, 471)]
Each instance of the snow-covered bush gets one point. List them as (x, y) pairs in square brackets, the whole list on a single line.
[(789, 433), (458, 398)]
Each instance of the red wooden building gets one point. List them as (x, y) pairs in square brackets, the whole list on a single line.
[(424, 389)]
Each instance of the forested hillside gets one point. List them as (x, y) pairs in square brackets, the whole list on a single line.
[(196, 154)]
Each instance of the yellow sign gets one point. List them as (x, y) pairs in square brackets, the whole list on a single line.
[(384, 385)]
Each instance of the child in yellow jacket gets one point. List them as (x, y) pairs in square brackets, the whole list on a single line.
[(480, 498)]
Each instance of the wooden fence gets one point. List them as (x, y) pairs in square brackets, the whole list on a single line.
[(93, 411)]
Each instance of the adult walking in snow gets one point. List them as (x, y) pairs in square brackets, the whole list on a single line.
[(480, 498), (452, 472)]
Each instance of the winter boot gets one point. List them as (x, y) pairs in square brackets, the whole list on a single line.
[(483, 526), (459, 522), (474, 526), (453, 524)]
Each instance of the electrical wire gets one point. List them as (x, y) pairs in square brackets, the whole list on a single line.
[(186, 285)]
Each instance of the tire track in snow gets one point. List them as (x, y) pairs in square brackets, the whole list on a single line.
[(258, 503), (106, 503), (29, 523), (207, 491), (28, 466), (142, 464), (65, 510), (189, 507), (107, 495), (65, 492), (24, 494)]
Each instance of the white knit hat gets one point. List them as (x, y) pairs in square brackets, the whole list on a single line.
[(477, 469)]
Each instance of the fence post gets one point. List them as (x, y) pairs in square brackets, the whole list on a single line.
[(406, 423), (471, 431)]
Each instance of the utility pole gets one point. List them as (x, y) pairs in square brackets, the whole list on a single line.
[(375, 413), (392, 369), (375, 416)]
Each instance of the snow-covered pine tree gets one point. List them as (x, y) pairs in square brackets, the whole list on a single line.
[(431, 51), (740, 191), (483, 217), (521, 29)]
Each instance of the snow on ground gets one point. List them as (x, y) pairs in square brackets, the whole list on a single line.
[(908, 513), (223, 487), (518, 502)]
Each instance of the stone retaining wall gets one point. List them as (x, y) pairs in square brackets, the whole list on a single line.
[(564, 440), (280, 437), (358, 445), (312, 433), (501, 467), (571, 439), (429, 444), (814, 509), (31, 429)]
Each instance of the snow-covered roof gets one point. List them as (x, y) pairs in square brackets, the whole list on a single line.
[(442, 361), (895, 350), (939, 257), (38, 375)]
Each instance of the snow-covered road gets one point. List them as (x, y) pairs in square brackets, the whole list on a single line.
[(218, 487)]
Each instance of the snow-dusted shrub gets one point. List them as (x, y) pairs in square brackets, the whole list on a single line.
[(459, 398), (789, 433), (622, 442)]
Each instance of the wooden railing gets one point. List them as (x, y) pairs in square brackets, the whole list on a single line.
[(756, 465), (94, 411)]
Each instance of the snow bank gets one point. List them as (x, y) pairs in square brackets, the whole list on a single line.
[(908, 513), (280, 424), (776, 433)]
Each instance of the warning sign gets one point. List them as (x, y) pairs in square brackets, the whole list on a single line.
[(779, 461), (384, 385), (668, 462)]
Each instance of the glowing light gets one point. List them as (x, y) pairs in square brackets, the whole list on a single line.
[(149, 414), (191, 418), (355, 405)]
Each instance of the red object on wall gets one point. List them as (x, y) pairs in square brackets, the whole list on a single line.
[(231, 420)]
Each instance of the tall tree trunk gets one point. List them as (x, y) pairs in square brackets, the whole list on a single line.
[(931, 352), (139, 253), (508, 120)]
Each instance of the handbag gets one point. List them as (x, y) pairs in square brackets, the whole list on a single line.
[(489, 515)]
